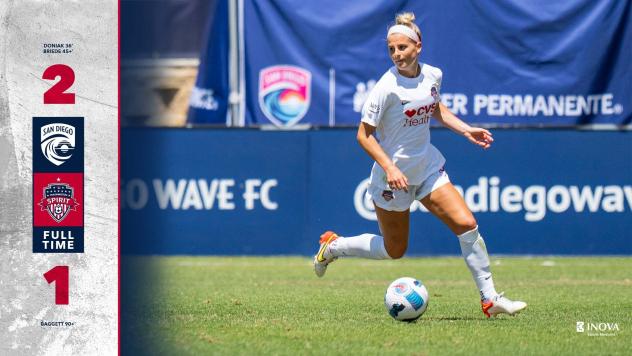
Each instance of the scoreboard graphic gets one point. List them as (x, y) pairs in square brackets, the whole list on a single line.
[(58, 171), (59, 177)]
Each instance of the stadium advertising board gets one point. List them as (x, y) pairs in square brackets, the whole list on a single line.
[(253, 192)]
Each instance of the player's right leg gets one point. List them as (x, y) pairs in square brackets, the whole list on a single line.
[(394, 226), (324, 257)]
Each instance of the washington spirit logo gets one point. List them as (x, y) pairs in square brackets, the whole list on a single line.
[(434, 93), (59, 200), (58, 142)]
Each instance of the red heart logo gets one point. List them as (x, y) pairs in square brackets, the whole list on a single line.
[(410, 113)]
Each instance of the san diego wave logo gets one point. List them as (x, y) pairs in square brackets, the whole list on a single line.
[(58, 142), (284, 94)]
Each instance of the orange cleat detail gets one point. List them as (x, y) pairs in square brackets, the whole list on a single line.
[(320, 259), (327, 235), (486, 307), (325, 239), (501, 305)]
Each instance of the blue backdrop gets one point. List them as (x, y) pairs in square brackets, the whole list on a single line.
[(252, 192), (511, 62)]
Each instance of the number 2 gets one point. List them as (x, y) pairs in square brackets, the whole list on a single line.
[(57, 93), (59, 274)]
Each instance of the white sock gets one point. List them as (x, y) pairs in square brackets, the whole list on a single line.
[(475, 254), (365, 245)]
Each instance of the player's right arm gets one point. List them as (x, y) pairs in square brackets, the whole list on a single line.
[(373, 112), (395, 178)]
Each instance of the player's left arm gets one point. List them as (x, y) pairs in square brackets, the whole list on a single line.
[(475, 135)]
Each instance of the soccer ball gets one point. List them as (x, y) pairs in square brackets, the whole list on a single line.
[(406, 299)]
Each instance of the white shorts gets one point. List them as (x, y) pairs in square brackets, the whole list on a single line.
[(399, 200)]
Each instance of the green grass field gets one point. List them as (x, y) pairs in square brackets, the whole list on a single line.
[(255, 306)]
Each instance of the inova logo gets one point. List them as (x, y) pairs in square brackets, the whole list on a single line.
[(597, 329)]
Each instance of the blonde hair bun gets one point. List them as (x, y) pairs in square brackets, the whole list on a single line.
[(408, 19), (405, 18)]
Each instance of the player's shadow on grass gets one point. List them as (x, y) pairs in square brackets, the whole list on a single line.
[(454, 318)]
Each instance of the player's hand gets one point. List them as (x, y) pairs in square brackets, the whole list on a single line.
[(396, 179), (479, 137)]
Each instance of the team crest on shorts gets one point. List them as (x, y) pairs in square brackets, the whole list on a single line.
[(57, 142), (284, 94), (58, 201), (387, 195)]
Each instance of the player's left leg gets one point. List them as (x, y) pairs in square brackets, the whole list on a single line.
[(447, 204)]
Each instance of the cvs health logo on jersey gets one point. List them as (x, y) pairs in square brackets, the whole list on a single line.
[(284, 94), (416, 113)]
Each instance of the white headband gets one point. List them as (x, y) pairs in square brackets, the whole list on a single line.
[(404, 30)]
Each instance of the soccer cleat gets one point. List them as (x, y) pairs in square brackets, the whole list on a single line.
[(324, 257), (499, 304)]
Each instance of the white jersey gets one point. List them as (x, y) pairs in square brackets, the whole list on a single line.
[(400, 109)]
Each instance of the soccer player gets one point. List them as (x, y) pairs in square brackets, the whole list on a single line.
[(394, 131)]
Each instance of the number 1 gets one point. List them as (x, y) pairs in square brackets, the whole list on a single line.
[(59, 274)]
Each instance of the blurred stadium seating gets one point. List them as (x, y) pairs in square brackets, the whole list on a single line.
[(160, 52)]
